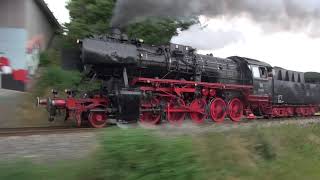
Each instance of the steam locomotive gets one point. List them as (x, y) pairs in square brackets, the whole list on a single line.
[(152, 84)]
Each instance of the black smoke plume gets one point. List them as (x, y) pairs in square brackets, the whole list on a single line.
[(276, 14)]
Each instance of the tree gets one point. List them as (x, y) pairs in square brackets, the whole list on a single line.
[(94, 16), (89, 17), (157, 31)]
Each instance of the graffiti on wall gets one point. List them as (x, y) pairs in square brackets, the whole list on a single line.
[(20, 57), (33, 49), (6, 69)]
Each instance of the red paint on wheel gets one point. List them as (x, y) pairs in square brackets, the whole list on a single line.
[(97, 119), (198, 111), (176, 111), (235, 110), (218, 110), (152, 117)]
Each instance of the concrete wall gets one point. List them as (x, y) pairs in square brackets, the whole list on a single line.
[(12, 13), (25, 31), (40, 33), (37, 24), (12, 44)]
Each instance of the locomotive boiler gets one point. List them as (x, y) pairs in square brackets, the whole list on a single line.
[(157, 83), (110, 54)]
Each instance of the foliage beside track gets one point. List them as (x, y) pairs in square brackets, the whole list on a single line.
[(57, 78), (285, 152)]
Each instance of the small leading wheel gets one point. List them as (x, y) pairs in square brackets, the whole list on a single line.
[(97, 119), (151, 117), (218, 110), (176, 112), (198, 108), (235, 110)]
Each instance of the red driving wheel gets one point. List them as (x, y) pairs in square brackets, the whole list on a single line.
[(97, 119), (290, 112), (150, 117), (235, 110), (79, 119), (176, 111), (218, 110), (313, 111), (198, 108)]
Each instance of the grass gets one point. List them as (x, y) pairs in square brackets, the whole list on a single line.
[(28, 171), (123, 154), (285, 152), (137, 154)]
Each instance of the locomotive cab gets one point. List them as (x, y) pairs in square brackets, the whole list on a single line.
[(259, 73), (262, 79)]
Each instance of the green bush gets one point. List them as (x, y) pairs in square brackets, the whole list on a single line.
[(50, 57), (57, 78)]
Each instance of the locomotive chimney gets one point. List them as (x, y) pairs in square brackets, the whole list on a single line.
[(115, 33)]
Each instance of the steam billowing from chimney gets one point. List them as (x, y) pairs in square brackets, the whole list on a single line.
[(276, 14)]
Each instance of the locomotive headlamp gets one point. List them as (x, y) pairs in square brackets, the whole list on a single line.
[(69, 92), (54, 92), (141, 41), (79, 41)]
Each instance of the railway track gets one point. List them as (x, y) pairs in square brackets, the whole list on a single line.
[(25, 131)]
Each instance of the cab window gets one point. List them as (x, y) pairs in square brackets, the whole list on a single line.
[(256, 71), (263, 72), (259, 72)]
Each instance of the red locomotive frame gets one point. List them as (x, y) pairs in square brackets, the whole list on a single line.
[(178, 98)]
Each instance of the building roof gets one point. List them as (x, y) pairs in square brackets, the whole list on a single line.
[(44, 7)]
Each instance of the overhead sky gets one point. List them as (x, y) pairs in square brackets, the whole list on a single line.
[(295, 50), (58, 7)]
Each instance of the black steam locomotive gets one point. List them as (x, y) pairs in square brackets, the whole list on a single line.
[(152, 84)]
